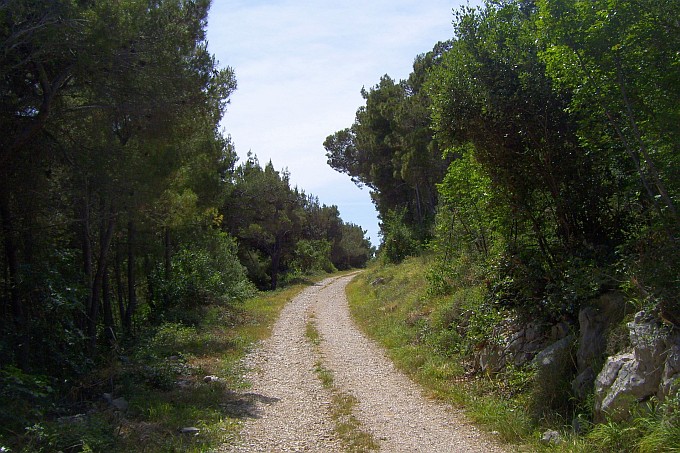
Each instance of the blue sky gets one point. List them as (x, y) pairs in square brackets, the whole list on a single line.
[(300, 67)]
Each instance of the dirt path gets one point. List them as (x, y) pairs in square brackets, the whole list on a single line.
[(293, 412)]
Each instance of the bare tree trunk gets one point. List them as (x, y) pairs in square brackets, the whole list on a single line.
[(19, 315), (107, 229), (132, 290), (107, 310), (120, 291), (168, 265), (651, 167), (86, 244), (276, 262)]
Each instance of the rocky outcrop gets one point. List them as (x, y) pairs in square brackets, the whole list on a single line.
[(670, 378), (648, 366), (511, 345), (516, 345), (595, 320), (550, 359), (651, 368)]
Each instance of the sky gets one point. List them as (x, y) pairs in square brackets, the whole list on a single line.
[(300, 66)]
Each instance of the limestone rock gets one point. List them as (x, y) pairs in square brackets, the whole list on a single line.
[(670, 377), (209, 379), (594, 321), (582, 385), (512, 344), (559, 331), (120, 404), (551, 437), (550, 356), (592, 343), (634, 376), (606, 400), (647, 338)]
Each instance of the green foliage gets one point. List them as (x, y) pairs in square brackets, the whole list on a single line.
[(111, 119), (353, 250), (391, 148), (431, 338), (312, 256), (398, 239), (87, 433), (164, 355), (207, 273), (511, 190), (282, 230), (23, 397), (620, 62), (559, 121), (466, 195), (653, 427), (113, 179)]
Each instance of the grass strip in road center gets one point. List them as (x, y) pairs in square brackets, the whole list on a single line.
[(347, 426)]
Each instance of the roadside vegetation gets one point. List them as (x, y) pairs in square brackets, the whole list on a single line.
[(526, 175), (131, 239), (531, 161), (179, 385), (433, 337)]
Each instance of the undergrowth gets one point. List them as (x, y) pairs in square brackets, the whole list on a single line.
[(161, 378)]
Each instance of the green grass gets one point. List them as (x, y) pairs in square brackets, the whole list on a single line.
[(348, 427), (421, 334), (392, 305), (311, 332), (217, 348)]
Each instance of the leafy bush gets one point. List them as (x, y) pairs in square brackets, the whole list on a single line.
[(86, 433), (652, 428), (23, 397), (312, 256), (205, 272), (399, 242), (162, 355)]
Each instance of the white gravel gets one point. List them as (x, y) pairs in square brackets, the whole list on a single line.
[(292, 412)]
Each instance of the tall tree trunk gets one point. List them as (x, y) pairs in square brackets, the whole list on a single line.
[(107, 310), (651, 166), (132, 290), (86, 244), (106, 233), (168, 265), (633, 153), (19, 315), (120, 291), (276, 262)]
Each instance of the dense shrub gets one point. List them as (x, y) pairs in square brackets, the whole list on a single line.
[(206, 273), (399, 241)]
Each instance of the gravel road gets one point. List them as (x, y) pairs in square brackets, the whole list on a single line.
[(292, 407)]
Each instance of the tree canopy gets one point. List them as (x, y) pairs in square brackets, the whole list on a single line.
[(544, 137), (121, 200)]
